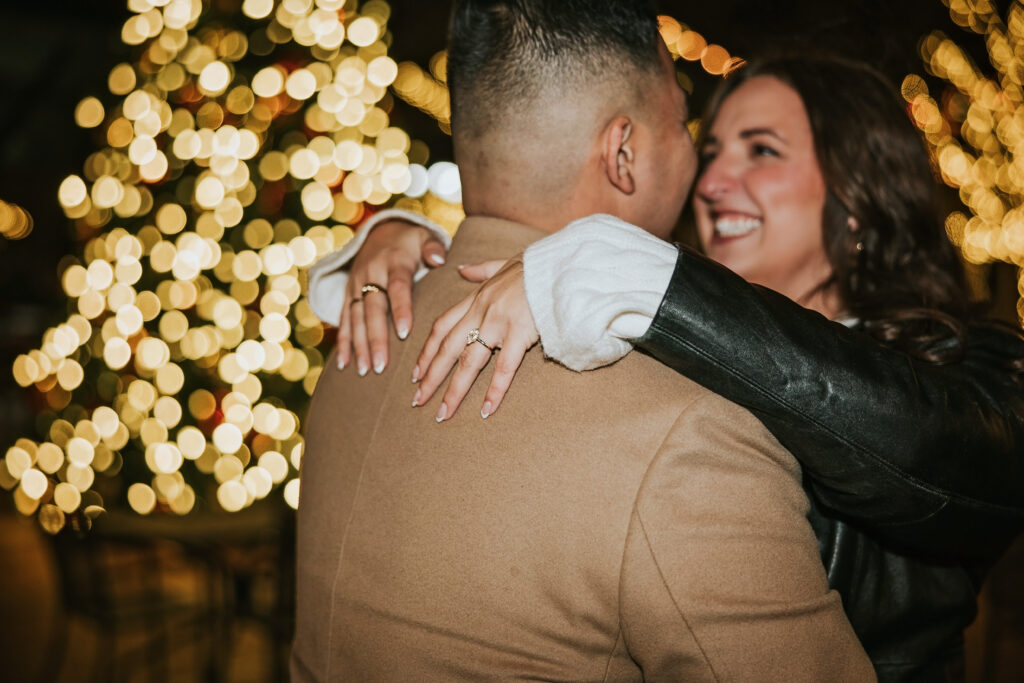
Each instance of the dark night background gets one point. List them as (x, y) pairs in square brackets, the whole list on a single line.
[(55, 52), (52, 54)]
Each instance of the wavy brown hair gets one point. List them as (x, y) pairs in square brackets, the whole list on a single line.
[(897, 273)]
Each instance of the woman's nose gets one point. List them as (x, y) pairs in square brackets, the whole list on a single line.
[(716, 179)]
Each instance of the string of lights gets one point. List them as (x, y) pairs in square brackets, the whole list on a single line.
[(976, 131), (229, 162), (15, 222)]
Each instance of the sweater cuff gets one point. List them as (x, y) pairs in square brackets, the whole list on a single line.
[(594, 286), (329, 275)]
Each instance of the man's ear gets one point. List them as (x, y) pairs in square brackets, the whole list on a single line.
[(618, 154)]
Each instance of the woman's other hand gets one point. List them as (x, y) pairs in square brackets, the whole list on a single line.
[(500, 314), (389, 259)]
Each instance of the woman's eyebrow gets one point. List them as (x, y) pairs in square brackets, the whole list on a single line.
[(754, 132)]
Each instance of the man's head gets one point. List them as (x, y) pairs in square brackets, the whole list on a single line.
[(563, 108)]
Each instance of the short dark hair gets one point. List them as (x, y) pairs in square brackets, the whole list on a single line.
[(501, 53)]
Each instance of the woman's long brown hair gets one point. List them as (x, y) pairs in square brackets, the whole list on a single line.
[(897, 271)]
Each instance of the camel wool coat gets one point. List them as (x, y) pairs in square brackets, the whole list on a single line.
[(623, 524)]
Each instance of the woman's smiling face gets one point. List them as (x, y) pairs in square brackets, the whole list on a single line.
[(760, 197)]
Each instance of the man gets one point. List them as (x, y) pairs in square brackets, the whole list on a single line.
[(624, 524)]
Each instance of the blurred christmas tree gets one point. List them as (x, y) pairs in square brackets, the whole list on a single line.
[(976, 131), (245, 139)]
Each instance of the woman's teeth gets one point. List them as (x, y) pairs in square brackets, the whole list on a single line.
[(734, 227)]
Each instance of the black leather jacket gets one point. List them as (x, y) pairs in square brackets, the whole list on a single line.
[(915, 471)]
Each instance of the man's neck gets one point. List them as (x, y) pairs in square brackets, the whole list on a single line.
[(541, 213)]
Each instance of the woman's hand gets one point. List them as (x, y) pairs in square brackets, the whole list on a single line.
[(500, 313), (389, 259)]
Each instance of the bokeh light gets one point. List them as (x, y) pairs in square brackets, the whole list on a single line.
[(188, 301), (975, 131), (228, 162)]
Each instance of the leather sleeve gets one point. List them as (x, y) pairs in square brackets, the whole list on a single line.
[(721, 576), (930, 458)]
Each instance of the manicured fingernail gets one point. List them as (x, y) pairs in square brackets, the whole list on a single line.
[(415, 374), (486, 412), (436, 259), (341, 363), (441, 413), (402, 329), (461, 266), (361, 367), (416, 398), (378, 364)]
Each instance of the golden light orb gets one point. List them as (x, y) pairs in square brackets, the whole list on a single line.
[(141, 498), (80, 452), (67, 497), (107, 192), (257, 482), (363, 31), (317, 203), (116, 353), (300, 84), (209, 192), (183, 503), (304, 164), (34, 483), (227, 438), (191, 442), (275, 327), (89, 113), (275, 464), (49, 457), (291, 494), (257, 9), (170, 378), (202, 404), (232, 496), (167, 458), (18, 461), (382, 71), (214, 78)]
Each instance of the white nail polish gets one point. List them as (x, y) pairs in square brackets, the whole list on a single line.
[(441, 413), (486, 411), (436, 259), (378, 366), (402, 330), (341, 363), (361, 369)]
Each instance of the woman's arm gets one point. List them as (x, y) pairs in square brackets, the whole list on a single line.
[(927, 456)]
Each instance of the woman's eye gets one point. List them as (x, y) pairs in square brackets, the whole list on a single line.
[(760, 150), (707, 155)]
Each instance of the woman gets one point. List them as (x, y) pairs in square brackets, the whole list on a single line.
[(823, 195)]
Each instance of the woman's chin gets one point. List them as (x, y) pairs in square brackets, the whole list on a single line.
[(738, 253)]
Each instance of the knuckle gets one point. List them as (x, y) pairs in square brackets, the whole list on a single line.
[(465, 360), (505, 367)]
